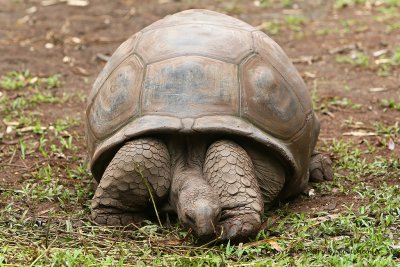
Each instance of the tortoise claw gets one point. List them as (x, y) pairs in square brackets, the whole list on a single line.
[(115, 217), (239, 228)]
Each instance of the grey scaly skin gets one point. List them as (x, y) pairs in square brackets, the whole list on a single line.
[(229, 170), (194, 200), (217, 188), (122, 196)]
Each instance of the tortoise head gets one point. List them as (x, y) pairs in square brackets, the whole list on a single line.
[(199, 208)]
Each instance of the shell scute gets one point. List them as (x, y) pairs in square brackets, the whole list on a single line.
[(268, 101), (223, 43), (204, 72), (190, 86), (117, 100)]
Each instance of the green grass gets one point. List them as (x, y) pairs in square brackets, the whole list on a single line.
[(295, 23), (345, 3), (362, 60), (264, 3), (327, 104), (15, 80), (367, 234), (45, 217), (287, 3), (385, 68), (60, 233), (395, 60), (271, 27), (391, 104), (358, 59), (291, 23)]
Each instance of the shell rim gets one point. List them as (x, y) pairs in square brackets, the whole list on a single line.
[(214, 124)]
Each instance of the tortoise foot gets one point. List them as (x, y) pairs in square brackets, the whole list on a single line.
[(240, 225), (138, 173), (115, 217), (229, 169), (320, 168)]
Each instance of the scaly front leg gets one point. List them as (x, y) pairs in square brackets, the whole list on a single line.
[(123, 196), (229, 170)]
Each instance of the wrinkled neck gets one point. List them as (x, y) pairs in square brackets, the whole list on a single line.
[(187, 158), (195, 202)]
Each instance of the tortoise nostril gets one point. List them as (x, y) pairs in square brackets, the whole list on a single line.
[(190, 218)]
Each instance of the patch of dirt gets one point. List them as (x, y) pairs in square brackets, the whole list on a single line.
[(326, 203), (68, 40)]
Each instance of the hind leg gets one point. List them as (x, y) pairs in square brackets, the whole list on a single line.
[(320, 168), (229, 170), (122, 195), (269, 171)]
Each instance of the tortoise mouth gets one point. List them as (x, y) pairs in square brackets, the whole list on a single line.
[(204, 227), (202, 216)]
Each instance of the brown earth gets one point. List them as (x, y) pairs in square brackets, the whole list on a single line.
[(67, 40)]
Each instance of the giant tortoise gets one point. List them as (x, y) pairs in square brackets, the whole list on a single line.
[(204, 115)]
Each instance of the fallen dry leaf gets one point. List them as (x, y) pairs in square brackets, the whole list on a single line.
[(326, 218), (11, 123), (382, 61), (76, 40), (49, 2), (30, 129), (342, 49), (170, 242), (49, 46), (23, 20), (271, 241), (311, 193), (31, 10), (102, 57), (306, 59), (45, 211), (80, 3), (340, 237), (360, 134), (275, 245), (377, 89), (391, 144), (80, 71), (271, 221), (309, 74), (380, 52)]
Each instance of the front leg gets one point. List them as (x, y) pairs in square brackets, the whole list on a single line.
[(229, 170), (139, 167)]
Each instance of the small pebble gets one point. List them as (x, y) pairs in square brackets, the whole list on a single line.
[(49, 46), (9, 129), (311, 193)]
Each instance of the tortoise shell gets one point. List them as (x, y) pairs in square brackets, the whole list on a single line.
[(200, 71)]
